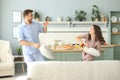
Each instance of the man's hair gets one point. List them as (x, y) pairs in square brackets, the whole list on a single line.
[(26, 12)]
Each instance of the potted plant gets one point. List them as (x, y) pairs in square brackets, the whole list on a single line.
[(19, 50), (80, 15), (95, 13), (36, 16)]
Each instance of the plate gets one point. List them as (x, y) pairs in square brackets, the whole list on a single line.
[(114, 19), (114, 30)]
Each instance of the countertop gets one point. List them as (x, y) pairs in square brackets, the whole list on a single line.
[(79, 49), (107, 46)]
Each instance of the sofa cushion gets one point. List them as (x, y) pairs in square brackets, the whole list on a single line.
[(74, 70)]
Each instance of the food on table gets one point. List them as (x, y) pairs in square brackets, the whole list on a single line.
[(68, 47), (77, 46), (82, 45)]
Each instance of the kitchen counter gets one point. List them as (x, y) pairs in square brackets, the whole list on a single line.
[(108, 46), (64, 50), (79, 49), (72, 50), (60, 54)]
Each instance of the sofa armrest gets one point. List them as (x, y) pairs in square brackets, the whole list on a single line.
[(9, 58)]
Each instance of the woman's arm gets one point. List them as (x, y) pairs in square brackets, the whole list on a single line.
[(80, 37)]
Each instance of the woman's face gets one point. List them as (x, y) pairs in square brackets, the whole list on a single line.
[(92, 31)]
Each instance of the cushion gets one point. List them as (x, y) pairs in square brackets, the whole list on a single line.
[(92, 51), (46, 52)]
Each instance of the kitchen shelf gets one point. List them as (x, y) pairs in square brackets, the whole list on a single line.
[(56, 22), (115, 22), (115, 33), (90, 22), (116, 44), (71, 23), (115, 36)]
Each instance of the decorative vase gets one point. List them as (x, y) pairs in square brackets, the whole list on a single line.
[(96, 19), (59, 19)]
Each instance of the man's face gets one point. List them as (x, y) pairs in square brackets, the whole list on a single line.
[(29, 17)]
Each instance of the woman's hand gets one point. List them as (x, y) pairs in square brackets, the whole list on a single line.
[(84, 44)]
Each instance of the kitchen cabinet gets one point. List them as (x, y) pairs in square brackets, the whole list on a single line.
[(117, 53), (114, 28), (68, 56), (76, 55)]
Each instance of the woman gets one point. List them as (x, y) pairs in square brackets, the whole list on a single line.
[(93, 39)]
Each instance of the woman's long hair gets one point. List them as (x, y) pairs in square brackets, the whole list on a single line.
[(98, 34)]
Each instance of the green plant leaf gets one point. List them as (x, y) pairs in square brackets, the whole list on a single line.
[(36, 15), (80, 15), (19, 50)]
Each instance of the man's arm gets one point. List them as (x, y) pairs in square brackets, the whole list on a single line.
[(26, 43)]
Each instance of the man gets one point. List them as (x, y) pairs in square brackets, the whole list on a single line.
[(28, 37)]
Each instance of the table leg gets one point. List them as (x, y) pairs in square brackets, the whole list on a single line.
[(23, 68)]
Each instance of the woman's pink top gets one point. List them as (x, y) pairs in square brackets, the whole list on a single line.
[(90, 44)]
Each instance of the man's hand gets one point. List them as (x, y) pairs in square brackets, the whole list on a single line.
[(45, 24), (36, 45), (27, 43)]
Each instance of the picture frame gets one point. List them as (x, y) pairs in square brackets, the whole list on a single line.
[(17, 16)]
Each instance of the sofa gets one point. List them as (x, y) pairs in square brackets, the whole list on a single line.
[(76, 70), (6, 59)]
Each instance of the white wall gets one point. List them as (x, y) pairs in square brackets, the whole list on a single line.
[(0, 19)]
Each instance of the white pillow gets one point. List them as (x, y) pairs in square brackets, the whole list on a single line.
[(92, 51), (46, 52)]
